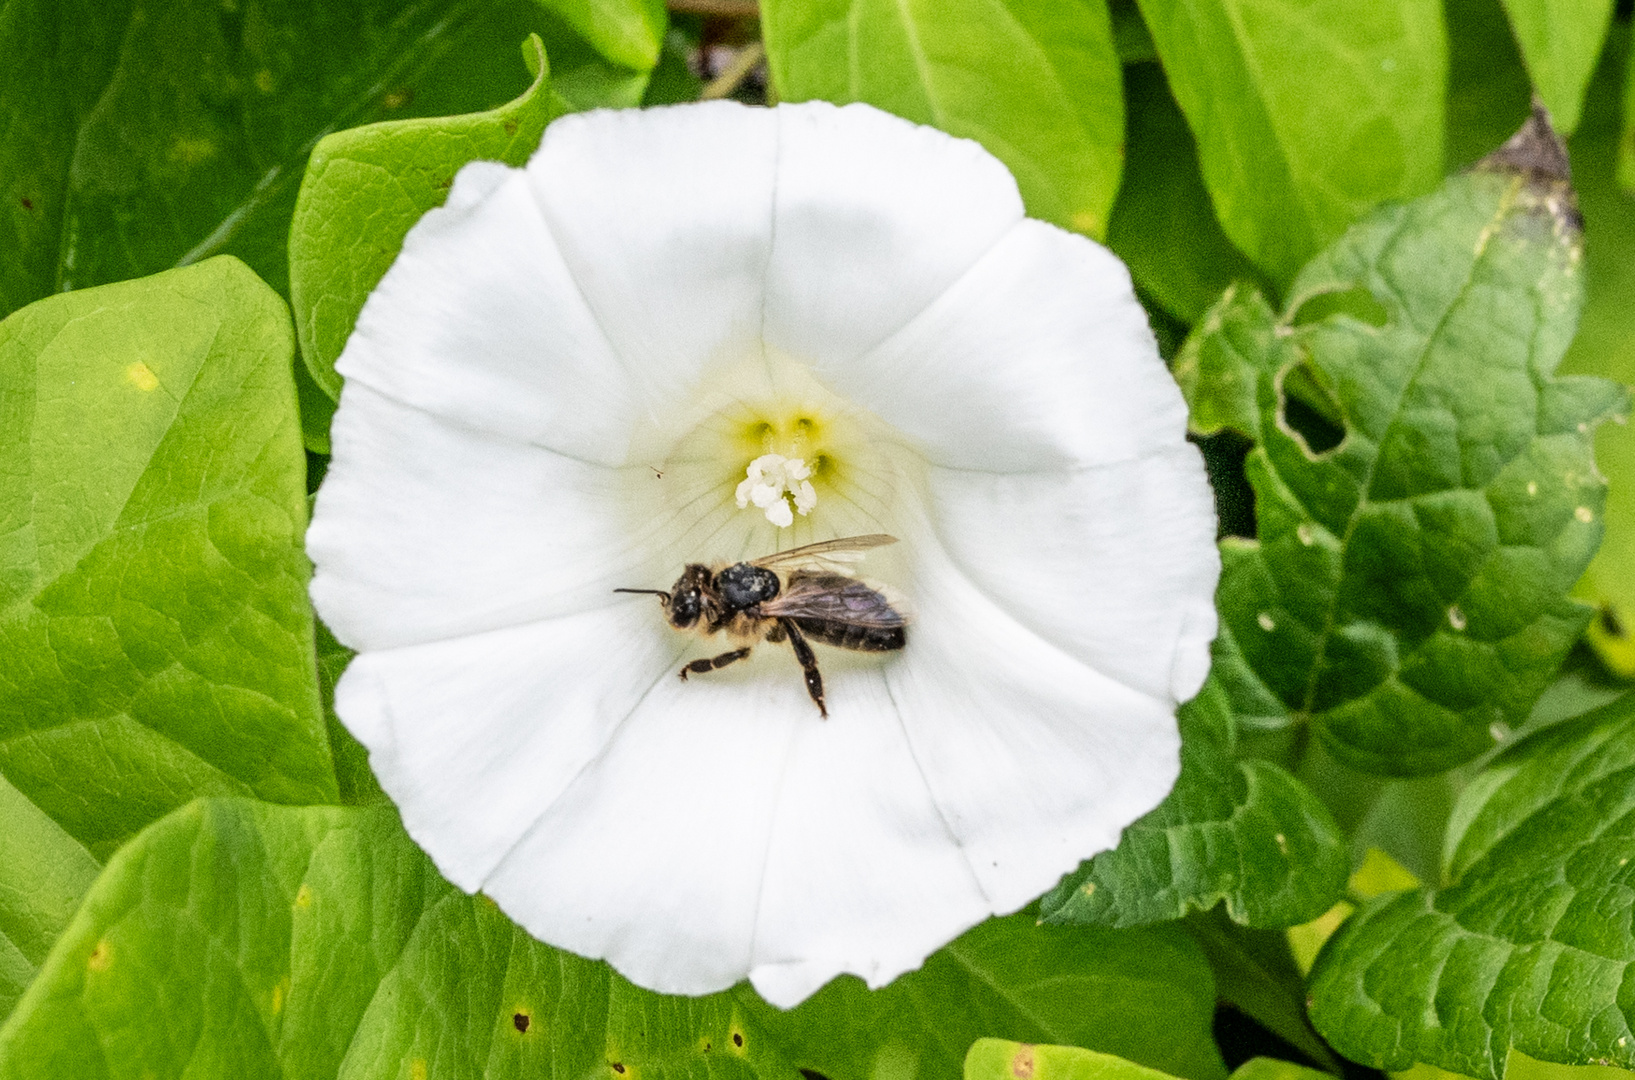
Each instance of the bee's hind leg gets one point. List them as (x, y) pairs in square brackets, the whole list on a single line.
[(808, 663), (699, 667)]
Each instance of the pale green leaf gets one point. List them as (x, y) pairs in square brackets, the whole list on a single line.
[(1245, 833), (43, 874), (155, 636), (1146, 995), (237, 939), (1606, 346), (1560, 41), (1528, 942), (1307, 115), (1034, 81), (1001, 1059), (365, 187), (1424, 485), (627, 32)]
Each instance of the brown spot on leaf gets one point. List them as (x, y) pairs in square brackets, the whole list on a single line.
[(28, 203), (100, 957), (510, 127), (396, 99), (520, 1021), (1022, 1062), (737, 1038), (618, 1067), (1538, 154)]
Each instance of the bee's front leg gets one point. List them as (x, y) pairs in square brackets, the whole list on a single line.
[(808, 663), (699, 667)]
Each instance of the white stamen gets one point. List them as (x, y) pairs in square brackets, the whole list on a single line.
[(774, 482)]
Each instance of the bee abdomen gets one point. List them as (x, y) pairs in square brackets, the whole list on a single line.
[(851, 636)]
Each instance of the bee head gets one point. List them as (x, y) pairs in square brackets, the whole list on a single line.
[(686, 604)]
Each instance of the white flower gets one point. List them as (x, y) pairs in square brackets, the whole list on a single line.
[(561, 387)]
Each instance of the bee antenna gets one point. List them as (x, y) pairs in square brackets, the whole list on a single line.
[(664, 597)]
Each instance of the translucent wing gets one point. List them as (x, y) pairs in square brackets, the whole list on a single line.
[(836, 598), (830, 555)]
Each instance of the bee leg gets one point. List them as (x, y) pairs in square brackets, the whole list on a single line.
[(808, 663), (699, 667)]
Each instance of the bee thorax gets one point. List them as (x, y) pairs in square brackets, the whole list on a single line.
[(744, 585)]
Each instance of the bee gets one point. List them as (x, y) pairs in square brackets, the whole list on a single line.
[(801, 595)]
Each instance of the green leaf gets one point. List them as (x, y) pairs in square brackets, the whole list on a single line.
[(1243, 832), (366, 186), (1528, 944), (1489, 95), (627, 32), (1424, 484), (1255, 973), (1163, 225), (1001, 1059), (136, 142), (1606, 346), (1307, 115), (1264, 1068), (237, 939), (155, 636), (1560, 41), (1035, 81), (1146, 995), (43, 874), (1626, 144), (357, 783)]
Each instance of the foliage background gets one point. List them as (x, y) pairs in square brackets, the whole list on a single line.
[(198, 875)]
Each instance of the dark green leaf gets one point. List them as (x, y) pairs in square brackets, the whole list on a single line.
[(1560, 41), (1306, 115), (1255, 973), (1035, 81), (140, 138), (365, 187), (237, 939), (1424, 485), (1163, 225), (1263, 1068), (43, 874), (1529, 944), (1489, 95), (155, 636), (1243, 832), (1606, 346), (1626, 143), (1146, 995)]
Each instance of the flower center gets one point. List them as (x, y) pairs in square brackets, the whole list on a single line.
[(762, 457), (779, 486)]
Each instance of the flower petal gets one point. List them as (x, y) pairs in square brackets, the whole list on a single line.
[(1115, 565), (729, 829), (1036, 760), (665, 218), (424, 529), (479, 321), (866, 198), (1039, 358), (476, 736)]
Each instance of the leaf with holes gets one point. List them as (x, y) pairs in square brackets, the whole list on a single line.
[(1307, 115), (1243, 832), (1529, 943), (363, 190), (155, 636), (1425, 487), (320, 941), (1146, 995), (1034, 81)]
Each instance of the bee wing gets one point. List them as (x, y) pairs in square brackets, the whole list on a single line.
[(829, 555), (836, 598)]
